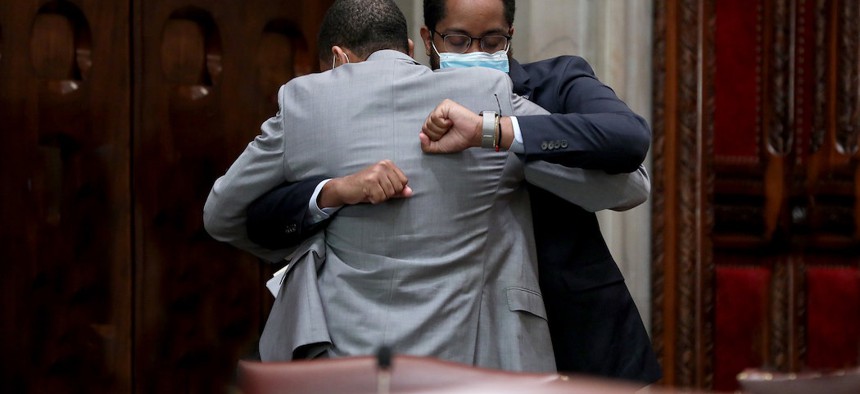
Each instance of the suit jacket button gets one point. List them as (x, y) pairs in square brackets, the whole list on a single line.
[(564, 144), (543, 145)]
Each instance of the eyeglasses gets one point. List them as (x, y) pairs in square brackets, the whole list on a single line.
[(460, 43)]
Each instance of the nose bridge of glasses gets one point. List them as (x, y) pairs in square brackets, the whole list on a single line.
[(474, 45)]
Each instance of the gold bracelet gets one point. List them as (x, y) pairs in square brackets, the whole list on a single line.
[(497, 133)]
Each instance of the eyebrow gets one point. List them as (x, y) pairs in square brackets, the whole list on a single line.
[(501, 32)]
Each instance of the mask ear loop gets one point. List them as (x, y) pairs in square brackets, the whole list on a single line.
[(334, 58), (433, 44)]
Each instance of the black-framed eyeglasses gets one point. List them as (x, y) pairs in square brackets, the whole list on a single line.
[(460, 43)]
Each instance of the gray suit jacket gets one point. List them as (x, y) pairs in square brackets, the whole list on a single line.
[(297, 327), (450, 272)]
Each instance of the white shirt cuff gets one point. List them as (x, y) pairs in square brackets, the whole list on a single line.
[(517, 144), (315, 213)]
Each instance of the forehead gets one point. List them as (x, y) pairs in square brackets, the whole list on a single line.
[(474, 16)]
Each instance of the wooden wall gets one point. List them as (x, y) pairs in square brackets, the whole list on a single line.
[(115, 119), (756, 187)]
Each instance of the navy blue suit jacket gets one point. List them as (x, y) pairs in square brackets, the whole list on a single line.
[(595, 326)]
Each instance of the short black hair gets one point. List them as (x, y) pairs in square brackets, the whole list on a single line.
[(363, 26), (434, 11)]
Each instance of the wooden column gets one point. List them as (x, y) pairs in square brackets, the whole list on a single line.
[(756, 188)]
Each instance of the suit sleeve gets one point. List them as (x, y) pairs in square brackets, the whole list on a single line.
[(590, 126), (277, 219), (258, 169), (592, 190)]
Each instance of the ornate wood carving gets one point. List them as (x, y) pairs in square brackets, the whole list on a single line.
[(779, 316), (800, 313), (708, 177), (808, 94), (681, 189), (800, 123), (847, 113), (688, 193), (659, 231), (780, 133), (819, 124)]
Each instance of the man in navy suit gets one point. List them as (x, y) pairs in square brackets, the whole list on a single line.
[(595, 325)]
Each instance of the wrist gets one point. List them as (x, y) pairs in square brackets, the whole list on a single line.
[(478, 134), (506, 133), (328, 197)]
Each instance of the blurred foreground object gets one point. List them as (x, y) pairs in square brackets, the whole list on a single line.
[(844, 381), (410, 375)]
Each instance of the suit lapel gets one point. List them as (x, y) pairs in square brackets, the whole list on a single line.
[(520, 78)]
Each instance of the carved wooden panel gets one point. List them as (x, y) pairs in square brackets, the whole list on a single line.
[(109, 282), (778, 80), (209, 73), (682, 269), (65, 242)]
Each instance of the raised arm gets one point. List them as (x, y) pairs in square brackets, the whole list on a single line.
[(453, 128), (589, 126)]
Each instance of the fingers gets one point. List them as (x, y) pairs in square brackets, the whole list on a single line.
[(427, 145), (374, 184), (406, 193), (384, 181), (438, 123), (450, 128)]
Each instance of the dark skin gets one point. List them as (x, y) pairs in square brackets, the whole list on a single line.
[(474, 18)]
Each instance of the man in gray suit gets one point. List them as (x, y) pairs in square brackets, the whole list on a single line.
[(449, 272)]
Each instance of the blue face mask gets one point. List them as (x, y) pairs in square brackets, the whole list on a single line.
[(498, 60)]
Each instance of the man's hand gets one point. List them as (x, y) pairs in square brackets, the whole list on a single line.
[(450, 128), (374, 184)]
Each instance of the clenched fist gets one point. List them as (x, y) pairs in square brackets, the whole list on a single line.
[(450, 128), (375, 184)]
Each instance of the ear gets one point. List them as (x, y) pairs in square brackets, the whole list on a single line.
[(411, 48), (427, 37), (340, 55), (326, 62)]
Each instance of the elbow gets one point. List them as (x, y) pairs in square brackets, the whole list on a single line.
[(213, 226), (638, 191), (638, 144), (631, 203), (210, 225), (640, 152), (637, 199)]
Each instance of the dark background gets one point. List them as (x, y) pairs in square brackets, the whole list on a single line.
[(117, 117)]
